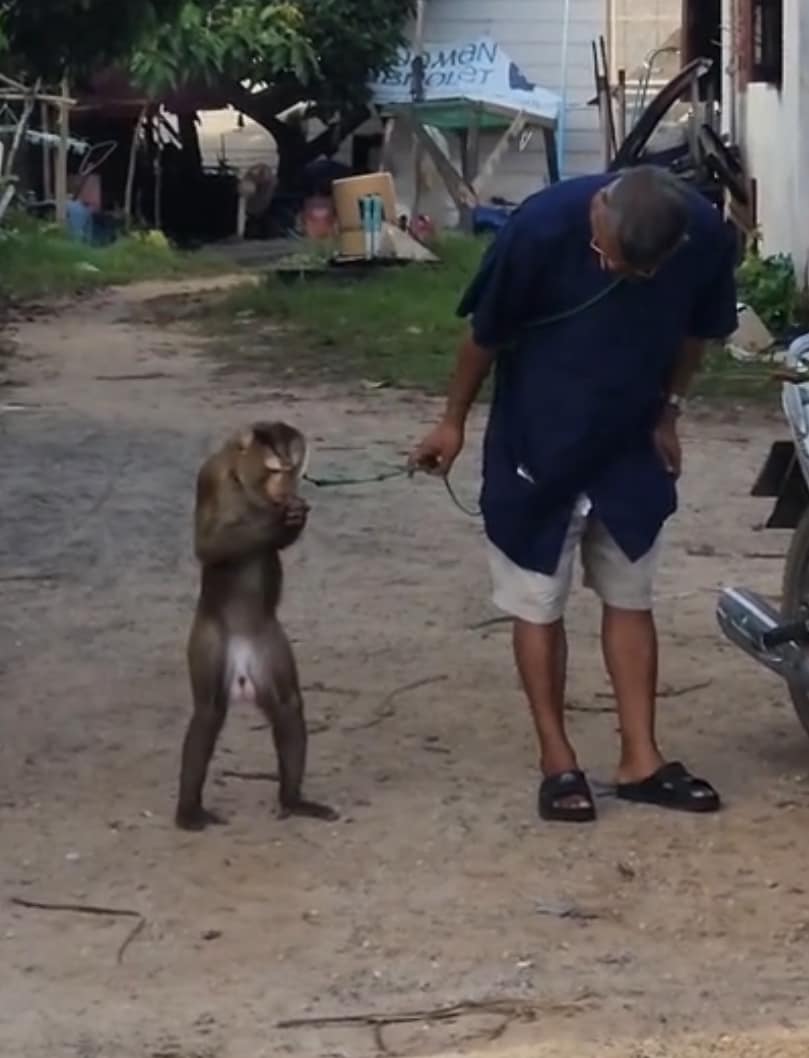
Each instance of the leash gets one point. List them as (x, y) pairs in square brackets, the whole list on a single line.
[(400, 472), (336, 483), (389, 475)]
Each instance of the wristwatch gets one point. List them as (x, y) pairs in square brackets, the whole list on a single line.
[(677, 403)]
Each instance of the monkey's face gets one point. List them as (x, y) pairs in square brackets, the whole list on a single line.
[(273, 459)]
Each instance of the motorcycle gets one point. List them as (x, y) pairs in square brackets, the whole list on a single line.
[(779, 640)]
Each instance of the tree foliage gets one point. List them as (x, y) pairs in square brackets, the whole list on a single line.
[(352, 40), (322, 50), (49, 38), (216, 40)]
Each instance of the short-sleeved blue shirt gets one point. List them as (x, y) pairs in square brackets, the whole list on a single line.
[(576, 401)]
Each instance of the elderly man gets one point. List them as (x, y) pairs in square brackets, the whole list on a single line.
[(593, 304)]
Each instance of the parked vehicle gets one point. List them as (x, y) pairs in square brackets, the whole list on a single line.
[(779, 639)]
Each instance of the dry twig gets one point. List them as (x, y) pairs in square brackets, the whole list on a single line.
[(668, 692), (480, 625), (251, 776), (387, 708), (513, 1008), (90, 909)]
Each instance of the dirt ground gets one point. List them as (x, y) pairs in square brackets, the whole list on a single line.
[(647, 936)]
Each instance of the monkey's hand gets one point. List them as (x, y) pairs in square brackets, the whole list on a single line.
[(293, 521)]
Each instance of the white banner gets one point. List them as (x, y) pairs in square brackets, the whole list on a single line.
[(478, 70)]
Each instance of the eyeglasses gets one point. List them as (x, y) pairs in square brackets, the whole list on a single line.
[(640, 273)]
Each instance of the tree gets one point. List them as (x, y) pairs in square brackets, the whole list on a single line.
[(268, 56), (53, 38)]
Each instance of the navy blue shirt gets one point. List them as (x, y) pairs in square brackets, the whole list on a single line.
[(576, 401)]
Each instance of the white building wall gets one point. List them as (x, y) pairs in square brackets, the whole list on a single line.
[(773, 129), (530, 31)]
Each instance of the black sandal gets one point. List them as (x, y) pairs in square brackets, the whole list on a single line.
[(671, 786), (558, 788)]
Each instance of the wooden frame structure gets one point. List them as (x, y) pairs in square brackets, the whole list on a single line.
[(15, 92), (468, 186)]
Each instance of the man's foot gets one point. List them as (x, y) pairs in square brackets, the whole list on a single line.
[(671, 786), (308, 810), (197, 818), (566, 798)]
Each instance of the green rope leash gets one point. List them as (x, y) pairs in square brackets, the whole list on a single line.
[(387, 475), (336, 483)]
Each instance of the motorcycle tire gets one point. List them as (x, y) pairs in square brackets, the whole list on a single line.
[(794, 596)]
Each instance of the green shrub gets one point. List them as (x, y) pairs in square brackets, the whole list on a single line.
[(768, 285)]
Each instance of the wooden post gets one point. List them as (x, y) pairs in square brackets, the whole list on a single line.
[(158, 177), (130, 174), (551, 154), (241, 207), (61, 156), (480, 182), (47, 167), (463, 136), (473, 144), (389, 127)]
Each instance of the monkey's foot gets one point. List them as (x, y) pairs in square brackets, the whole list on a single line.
[(309, 810), (197, 818)]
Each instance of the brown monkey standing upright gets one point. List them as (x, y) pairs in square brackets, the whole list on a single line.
[(247, 511)]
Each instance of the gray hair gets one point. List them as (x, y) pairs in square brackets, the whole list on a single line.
[(648, 213)]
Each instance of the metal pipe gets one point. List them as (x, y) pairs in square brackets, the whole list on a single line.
[(561, 135), (417, 96)]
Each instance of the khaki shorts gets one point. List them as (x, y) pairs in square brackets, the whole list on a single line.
[(542, 599)]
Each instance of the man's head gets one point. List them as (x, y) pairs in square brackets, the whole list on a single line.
[(639, 220)]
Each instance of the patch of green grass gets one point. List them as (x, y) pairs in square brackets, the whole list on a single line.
[(40, 260), (396, 325), (723, 378)]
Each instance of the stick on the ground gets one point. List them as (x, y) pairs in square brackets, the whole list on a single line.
[(571, 707), (90, 909), (669, 692), (251, 776), (14, 577), (387, 709), (506, 1007), (488, 623)]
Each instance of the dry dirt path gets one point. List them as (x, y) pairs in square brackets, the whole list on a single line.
[(437, 884)]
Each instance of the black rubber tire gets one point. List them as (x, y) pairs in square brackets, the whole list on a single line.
[(795, 594)]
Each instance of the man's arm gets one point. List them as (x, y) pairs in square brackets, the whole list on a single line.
[(666, 439), (687, 367), (440, 448), (472, 366)]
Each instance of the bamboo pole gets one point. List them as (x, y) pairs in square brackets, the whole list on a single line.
[(47, 167), (17, 85), (40, 97), (19, 132), (60, 180)]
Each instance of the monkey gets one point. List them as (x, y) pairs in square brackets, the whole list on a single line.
[(247, 511)]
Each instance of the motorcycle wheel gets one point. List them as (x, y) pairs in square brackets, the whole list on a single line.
[(794, 596)]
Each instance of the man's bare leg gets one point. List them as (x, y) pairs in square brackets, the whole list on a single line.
[(541, 655), (629, 641)]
